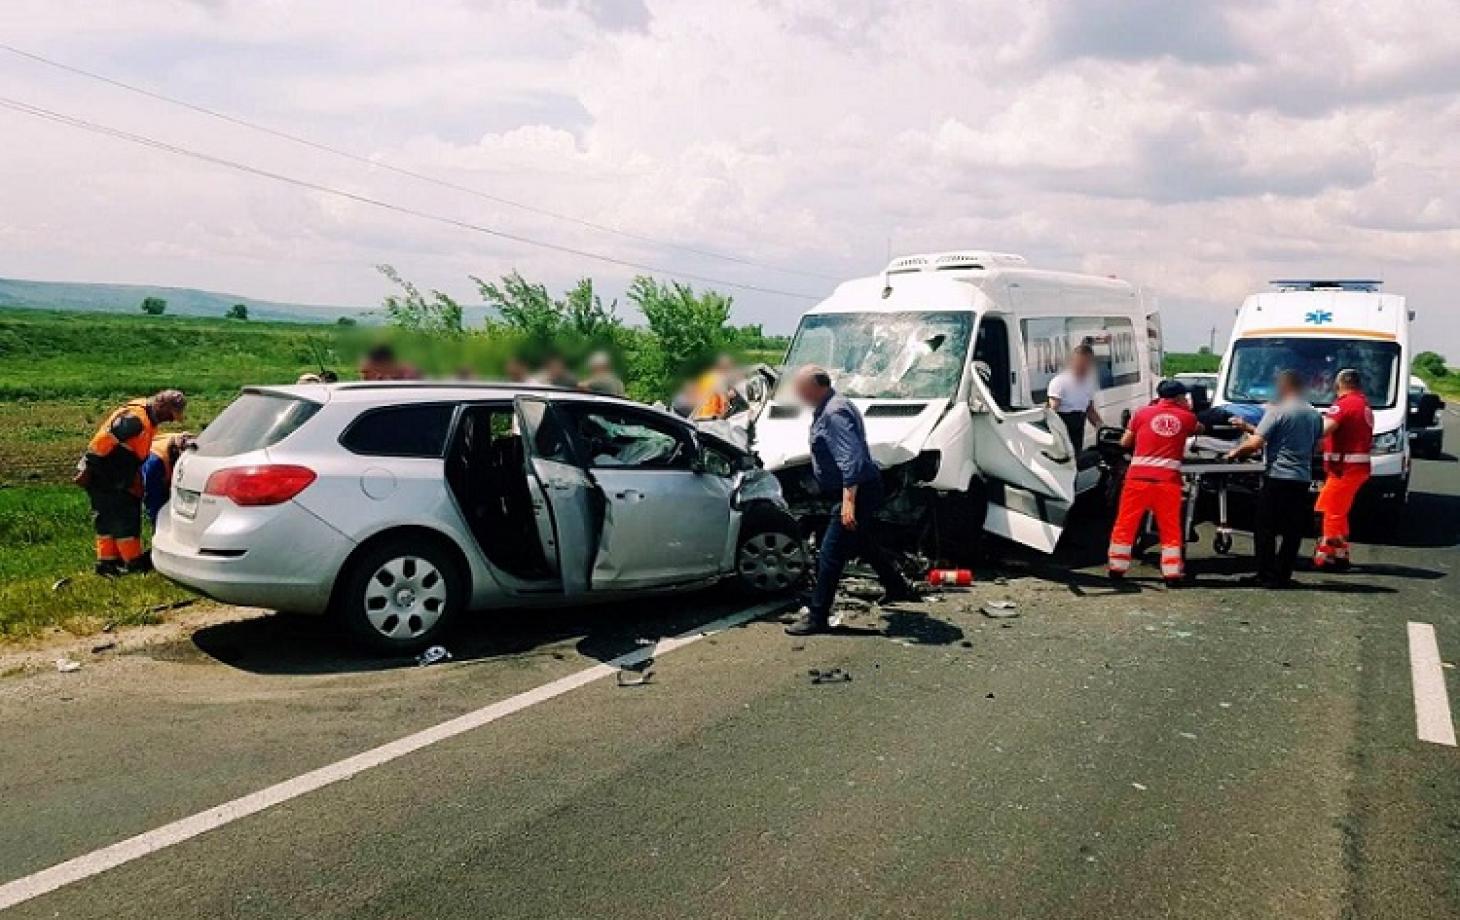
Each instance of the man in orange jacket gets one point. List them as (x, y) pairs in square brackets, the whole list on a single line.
[(110, 472), (1157, 438), (1348, 437)]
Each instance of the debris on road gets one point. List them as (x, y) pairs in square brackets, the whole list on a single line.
[(628, 677), (433, 655), (829, 676), (960, 578), (1139, 787), (861, 587), (1000, 610), (67, 665), (103, 647)]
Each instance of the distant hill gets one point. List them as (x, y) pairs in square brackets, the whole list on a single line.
[(127, 298)]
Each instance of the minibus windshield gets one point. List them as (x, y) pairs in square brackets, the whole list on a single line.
[(1255, 362), (886, 355)]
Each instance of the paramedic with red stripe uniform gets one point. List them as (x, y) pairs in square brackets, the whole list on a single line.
[(1348, 436), (1158, 435)]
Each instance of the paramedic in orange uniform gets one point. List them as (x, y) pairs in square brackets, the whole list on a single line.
[(1158, 434), (1348, 436), (110, 472)]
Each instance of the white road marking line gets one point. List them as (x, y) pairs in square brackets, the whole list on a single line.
[(1431, 702), (109, 857)]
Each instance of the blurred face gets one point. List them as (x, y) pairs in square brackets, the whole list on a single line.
[(808, 391), (1081, 364)]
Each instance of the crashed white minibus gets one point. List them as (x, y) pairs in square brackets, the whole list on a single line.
[(948, 356), (1319, 327)]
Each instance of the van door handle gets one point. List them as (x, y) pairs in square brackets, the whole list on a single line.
[(632, 495)]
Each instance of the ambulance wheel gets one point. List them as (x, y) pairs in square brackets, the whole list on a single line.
[(1222, 543)]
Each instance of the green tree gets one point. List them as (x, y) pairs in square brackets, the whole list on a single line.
[(1431, 363), (527, 310), (237, 311), (154, 306), (689, 327), (414, 311), (346, 321)]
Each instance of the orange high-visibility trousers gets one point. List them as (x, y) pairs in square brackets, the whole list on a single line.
[(1162, 499), (1335, 502)]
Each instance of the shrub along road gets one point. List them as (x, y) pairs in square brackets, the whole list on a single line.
[(1216, 752)]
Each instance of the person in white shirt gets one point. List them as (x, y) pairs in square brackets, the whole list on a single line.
[(1072, 392)]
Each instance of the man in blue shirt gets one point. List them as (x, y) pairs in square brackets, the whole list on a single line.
[(1288, 437), (842, 465)]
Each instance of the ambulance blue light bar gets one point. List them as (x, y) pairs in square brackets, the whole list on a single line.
[(1369, 285)]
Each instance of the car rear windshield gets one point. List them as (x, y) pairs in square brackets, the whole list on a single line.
[(253, 421)]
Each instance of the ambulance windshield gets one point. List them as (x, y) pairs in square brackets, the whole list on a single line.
[(1255, 362), (886, 355)]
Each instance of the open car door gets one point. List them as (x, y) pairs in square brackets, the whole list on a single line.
[(1029, 464), (567, 503)]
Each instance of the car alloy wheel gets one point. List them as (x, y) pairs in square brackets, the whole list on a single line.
[(771, 561), (405, 597)]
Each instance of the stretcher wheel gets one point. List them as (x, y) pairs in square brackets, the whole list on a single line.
[(1222, 543)]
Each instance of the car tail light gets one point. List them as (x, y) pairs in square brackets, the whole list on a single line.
[(259, 485)]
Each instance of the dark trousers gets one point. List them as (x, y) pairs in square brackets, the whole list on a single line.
[(115, 512), (1282, 512), (839, 545), (1075, 425)]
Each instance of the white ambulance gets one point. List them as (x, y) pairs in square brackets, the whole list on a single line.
[(948, 356), (1319, 327)]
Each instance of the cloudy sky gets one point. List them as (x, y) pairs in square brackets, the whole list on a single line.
[(1198, 149)]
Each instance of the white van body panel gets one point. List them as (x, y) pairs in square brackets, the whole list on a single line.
[(1346, 315), (1038, 316)]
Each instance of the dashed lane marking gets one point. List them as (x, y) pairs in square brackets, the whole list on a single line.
[(109, 857), (1431, 702)]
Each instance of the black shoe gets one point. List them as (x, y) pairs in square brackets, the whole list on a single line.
[(139, 566), (907, 594), (807, 624), (108, 568)]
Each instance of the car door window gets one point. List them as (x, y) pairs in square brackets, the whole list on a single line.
[(612, 438), (400, 431)]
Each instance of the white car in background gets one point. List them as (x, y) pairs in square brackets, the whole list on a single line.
[(397, 506)]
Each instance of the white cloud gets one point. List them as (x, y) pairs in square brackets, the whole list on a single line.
[(1198, 149)]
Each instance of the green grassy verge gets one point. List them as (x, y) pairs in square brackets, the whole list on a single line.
[(45, 574)]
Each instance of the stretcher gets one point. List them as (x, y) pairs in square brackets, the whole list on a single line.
[(1204, 470)]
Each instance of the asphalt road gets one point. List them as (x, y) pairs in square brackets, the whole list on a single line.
[(1214, 752)]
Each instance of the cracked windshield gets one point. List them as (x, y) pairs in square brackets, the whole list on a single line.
[(886, 355)]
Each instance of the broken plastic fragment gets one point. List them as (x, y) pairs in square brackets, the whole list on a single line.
[(1000, 610), (432, 655), (67, 665)]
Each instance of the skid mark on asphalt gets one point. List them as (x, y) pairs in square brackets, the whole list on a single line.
[(109, 857), (1432, 718)]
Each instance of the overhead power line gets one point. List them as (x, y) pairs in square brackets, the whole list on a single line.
[(145, 141), (402, 171)]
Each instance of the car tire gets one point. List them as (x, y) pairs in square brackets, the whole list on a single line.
[(771, 558), (400, 594)]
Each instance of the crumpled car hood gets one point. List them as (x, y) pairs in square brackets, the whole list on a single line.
[(893, 434)]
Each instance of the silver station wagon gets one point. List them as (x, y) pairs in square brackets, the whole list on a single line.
[(397, 506)]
